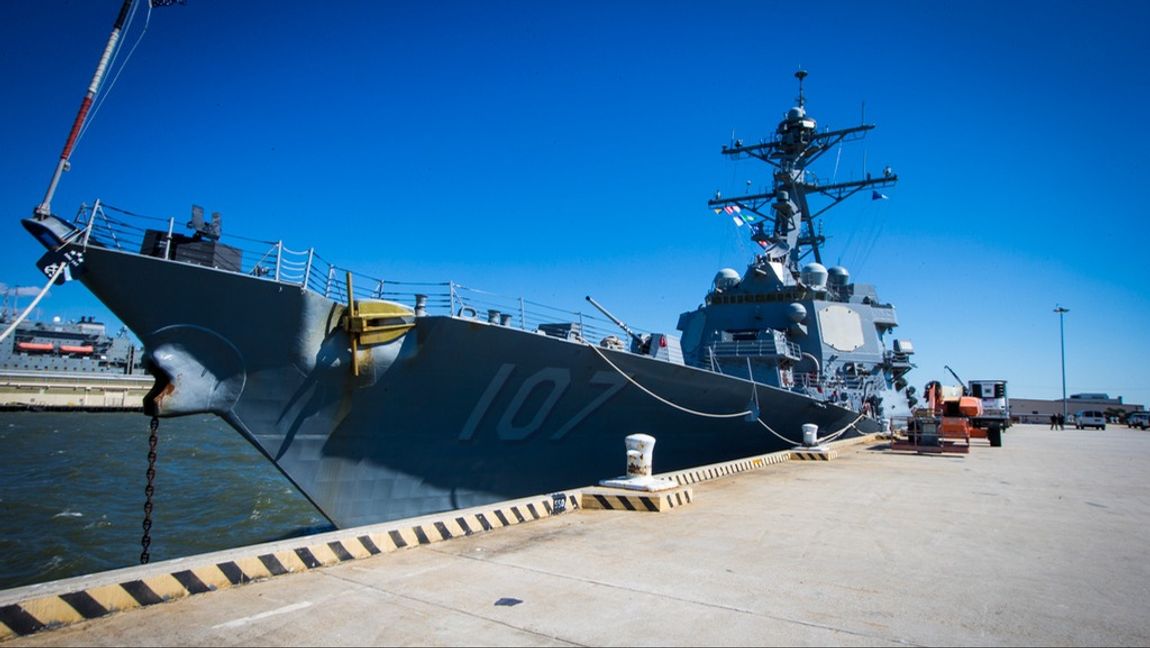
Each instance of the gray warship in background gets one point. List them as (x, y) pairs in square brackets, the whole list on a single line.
[(65, 347), (382, 400), (66, 365)]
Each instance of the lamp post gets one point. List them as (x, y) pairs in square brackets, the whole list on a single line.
[(1062, 340)]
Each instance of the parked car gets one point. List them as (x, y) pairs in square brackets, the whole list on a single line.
[(1140, 420), (1090, 419)]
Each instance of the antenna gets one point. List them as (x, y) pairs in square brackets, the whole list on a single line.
[(800, 75)]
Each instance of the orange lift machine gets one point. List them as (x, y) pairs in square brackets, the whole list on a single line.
[(947, 423)]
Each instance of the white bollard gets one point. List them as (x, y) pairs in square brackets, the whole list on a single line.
[(640, 454), (640, 462), (810, 434)]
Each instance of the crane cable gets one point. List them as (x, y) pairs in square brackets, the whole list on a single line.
[(107, 90)]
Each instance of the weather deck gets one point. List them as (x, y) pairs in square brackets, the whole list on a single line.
[(1044, 541)]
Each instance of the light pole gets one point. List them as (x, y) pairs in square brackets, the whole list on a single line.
[(1062, 340)]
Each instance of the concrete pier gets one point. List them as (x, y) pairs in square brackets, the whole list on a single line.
[(75, 391), (1044, 541)]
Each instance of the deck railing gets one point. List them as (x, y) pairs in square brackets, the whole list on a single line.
[(759, 347), (119, 229), (123, 230)]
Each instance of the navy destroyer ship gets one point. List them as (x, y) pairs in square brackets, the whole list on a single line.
[(382, 400)]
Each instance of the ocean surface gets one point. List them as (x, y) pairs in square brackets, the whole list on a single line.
[(72, 493)]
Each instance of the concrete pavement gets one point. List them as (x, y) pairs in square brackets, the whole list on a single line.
[(1044, 541)]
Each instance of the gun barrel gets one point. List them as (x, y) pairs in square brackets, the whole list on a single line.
[(616, 320)]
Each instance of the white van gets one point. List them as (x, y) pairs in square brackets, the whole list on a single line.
[(1140, 420), (1090, 418)]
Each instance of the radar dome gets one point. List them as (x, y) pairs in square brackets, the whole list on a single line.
[(796, 312), (727, 278), (796, 113), (839, 276), (814, 275)]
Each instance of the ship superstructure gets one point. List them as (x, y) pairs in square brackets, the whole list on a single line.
[(788, 321)]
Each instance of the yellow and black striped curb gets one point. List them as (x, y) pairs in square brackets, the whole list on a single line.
[(714, 471), (726, 468), (814, 455), (41, 607), (614, 499), (831, 451)]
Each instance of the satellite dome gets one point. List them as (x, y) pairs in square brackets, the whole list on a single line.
[(796, 312), (796, 113), (839, 276), (726, 278), (814, 275)]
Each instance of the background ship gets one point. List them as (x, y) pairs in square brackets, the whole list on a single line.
[(66, 365)]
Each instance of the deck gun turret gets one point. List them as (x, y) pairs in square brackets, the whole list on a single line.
[(656, 345), (642, 344)]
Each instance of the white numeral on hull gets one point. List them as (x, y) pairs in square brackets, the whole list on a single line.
[(555, 380)]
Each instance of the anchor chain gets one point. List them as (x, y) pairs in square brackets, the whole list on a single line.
[(149, 490)]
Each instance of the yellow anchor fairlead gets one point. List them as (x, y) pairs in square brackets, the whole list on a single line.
[(371, 323)]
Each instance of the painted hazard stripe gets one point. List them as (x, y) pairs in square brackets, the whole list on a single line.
[(805, 455), (831, 452), (715, 471), (645, 502), (191, 582), (19, 621), (47, 612)]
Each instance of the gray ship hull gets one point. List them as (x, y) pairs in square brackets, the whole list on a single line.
[(455, 413)]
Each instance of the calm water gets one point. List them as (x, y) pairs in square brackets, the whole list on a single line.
[(72, 493)]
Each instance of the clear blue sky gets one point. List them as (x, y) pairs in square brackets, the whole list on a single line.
[(553, 150)]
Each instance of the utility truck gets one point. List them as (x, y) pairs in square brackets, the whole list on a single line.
[(995, 405)]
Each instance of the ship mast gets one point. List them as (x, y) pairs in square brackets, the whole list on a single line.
[(44, 209), (786, 225)]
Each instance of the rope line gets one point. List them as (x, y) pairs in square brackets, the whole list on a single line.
[(52, 280), (826, 439), (660, 398), (835, 435), (768, 429)]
